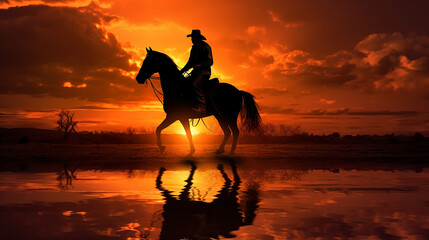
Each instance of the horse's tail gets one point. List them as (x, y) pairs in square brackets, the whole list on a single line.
[(250, 112)]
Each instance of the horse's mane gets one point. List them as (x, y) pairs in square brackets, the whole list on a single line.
[(167, 60)]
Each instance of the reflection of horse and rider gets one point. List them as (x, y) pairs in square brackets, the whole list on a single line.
[(186, 218), (197, 96)]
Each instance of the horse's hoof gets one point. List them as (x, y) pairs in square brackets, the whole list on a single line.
[(220, 151), (162, 149), (190, 154), (162, 169), (231, 153)]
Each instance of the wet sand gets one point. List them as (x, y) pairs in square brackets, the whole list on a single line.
[(40, 157)]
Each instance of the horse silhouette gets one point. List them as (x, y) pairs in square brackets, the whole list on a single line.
[(224, 101), (185, 218)]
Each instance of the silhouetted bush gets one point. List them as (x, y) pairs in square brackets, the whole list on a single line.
[(392, 139), (335, 134), (418, 137), (23, 140), (131, 132), (270, 134), (282, 130)]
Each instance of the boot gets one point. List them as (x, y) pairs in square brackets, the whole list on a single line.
[(200, 105)]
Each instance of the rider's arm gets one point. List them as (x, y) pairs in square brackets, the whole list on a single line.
[(190, 62)]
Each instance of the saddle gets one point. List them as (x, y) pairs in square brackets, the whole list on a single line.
[(210, 86), (212, 82), (197, 98)]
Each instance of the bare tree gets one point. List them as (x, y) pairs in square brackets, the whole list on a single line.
[(131, 131), (290, 130), (66, 124)]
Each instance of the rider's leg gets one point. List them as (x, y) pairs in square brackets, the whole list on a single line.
[(198, 80)]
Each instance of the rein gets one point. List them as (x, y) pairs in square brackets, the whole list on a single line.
[(156, 91), (202, 120)]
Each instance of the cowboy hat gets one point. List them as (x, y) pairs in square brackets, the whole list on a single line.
[(196, 33)]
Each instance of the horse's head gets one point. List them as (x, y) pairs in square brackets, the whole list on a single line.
[(149, 66)]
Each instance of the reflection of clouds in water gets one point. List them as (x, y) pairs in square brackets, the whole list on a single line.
[(90, 219), (140, 173), (308, 205), (334, 226), (271, 176), (351, 217), (345, 205)]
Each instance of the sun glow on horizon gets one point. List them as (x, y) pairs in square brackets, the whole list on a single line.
[(180, 130)]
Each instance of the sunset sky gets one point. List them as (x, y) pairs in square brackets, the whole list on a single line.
[(355, 67)]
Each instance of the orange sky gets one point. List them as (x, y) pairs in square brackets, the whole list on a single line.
[(358, 67)]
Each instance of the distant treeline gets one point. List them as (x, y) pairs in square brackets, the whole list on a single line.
[(268, 134)]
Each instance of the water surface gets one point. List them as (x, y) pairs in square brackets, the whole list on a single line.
[(215, 199)]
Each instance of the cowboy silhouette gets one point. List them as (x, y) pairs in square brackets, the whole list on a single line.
[(200, 60), (224, 101)]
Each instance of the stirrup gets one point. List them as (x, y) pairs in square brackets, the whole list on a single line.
[(199, 109)]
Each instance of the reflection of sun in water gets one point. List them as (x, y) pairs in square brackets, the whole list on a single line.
[(205, 184)]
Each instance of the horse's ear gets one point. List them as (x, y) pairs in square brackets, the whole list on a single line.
[(147, 50), (150, 49)]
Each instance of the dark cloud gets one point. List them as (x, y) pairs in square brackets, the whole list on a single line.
[(57, 1), (347, 111), (332, 25), (262, 60), (394, 62), (380, 62), (93, 107), (269, 91), (238, 50), (3, 115), (96, 122), (63, 52), (276, 110), (336, 112)]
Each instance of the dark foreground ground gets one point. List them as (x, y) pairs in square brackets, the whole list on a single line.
[(35, 157)]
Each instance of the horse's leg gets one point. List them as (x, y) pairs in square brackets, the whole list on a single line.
[(224, 192), (185, 123), (184, 195), (235, 132), (226, 132), (165, 192), (167, 122)]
